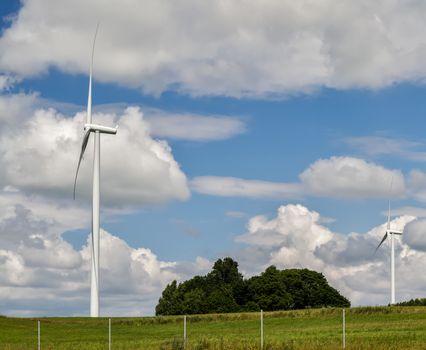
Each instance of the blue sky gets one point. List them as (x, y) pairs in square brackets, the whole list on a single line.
[(326, 129)]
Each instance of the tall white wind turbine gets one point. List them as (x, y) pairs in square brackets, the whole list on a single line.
[(97, 130), (391, 232)]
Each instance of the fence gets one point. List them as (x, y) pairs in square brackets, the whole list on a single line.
[(185, 334), (360, 328)]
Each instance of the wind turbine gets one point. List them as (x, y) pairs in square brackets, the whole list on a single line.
[(97, 130), (391, 233)]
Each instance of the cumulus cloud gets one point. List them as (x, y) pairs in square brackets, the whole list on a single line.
[(352, 177), (40, 150), (169, 125), (231, 186), (337, 177), (410, 211), (228, 48), (280, 235), (358, 248), (131, 278), (235, 214), (37, 265), (6, 82), (415, 235), (15, 108), (379, 146), (295, 238), (416, 185), (193, 127)]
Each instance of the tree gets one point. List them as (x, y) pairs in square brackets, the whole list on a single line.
[(225, 290), (413, 302), (169, 303), (194, 302), (269, 292), (225, 272)]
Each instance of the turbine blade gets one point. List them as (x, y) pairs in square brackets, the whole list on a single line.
[(83, 149), (89, 97), (388, 225), (381, 242), (389, 203)]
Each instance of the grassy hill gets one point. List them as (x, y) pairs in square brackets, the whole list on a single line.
[(367, 328)]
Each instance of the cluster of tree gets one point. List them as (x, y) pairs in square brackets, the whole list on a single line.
[(413, 302), (225, 290)]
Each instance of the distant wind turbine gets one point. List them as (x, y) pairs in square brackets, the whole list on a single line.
[(97, 130), (391, 233)]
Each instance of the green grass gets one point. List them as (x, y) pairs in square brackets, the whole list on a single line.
[(367, 328)]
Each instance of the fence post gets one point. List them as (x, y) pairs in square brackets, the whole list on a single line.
[(109, 334), (261, 329), (38, 334), (344, 329), (184, 331)]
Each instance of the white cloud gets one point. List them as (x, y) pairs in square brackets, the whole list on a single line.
[(38, 266), (227, 48), (281, 236), (6, 82), (326, 220), (40, 148), (410, 211), (354, 249), (415, 235), (23, 216), (15, 108), (337, 177), (235, 214), (296, 238), (133, 278), (192, 127), (161, 123), (231, 186), (379, 146), (347, 177), (416, 185), (171, 125)]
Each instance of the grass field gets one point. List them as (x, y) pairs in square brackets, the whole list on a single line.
[(366, 328)]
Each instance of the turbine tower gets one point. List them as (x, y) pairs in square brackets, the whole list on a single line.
[(391, 233), (97, 130)]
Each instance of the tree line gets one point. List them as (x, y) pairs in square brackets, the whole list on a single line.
[(413, 302), (225, 290)]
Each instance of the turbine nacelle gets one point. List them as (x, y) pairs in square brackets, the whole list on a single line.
[(394, 232), (388, 232), (100, 128)]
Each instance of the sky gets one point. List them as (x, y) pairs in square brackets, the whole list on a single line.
[(273, 132)]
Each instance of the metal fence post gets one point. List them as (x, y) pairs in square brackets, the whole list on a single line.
[(184, 331), (109, 334), (344, 329), (38, 334), (261, 329)]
